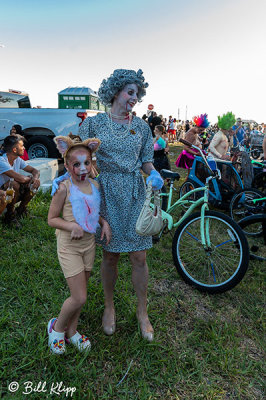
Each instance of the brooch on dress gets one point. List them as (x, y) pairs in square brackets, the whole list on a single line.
[(132, 132)]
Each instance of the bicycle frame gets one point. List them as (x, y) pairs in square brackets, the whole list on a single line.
[(201, 202)]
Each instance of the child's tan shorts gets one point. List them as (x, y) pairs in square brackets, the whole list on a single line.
[(75, 256)]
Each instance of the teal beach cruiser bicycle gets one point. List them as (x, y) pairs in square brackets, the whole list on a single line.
[(209, 249)]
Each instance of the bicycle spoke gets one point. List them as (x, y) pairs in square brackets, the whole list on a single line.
[(215, 265)]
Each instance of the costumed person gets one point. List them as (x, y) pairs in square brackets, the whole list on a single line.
[(78, 199), (161, 160), (220, 142), (17, 130), (186, 157), (126, 149)]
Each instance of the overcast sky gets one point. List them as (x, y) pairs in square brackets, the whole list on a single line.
[(208, 55)]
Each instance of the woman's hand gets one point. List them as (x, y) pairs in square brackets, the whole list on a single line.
[(155, 179), (106, 230), (56, 182), (76, 232)]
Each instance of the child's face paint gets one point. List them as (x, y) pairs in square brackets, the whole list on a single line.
[(79, 164), (127, 98)]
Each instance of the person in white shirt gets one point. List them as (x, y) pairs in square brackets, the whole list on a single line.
[(24, 186)]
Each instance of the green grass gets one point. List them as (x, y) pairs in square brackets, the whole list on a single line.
[(206, 347)]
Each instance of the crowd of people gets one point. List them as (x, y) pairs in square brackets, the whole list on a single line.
[(89, 208), (228, 134)]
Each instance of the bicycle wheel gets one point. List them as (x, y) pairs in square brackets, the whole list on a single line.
[(215, 269), (241, 204), (257, 244), (255, 153), (185, 188)]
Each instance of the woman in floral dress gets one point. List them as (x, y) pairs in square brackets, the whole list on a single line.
[(126, 149)]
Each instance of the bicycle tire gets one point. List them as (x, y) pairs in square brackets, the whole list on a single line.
[(255, 153), (219, 268), (185, 188), (241, 204), (257, 244)]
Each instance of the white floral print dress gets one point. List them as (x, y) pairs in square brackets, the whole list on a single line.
[(120, 157)]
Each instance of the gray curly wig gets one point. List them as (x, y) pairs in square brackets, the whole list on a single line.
[(117, 81)]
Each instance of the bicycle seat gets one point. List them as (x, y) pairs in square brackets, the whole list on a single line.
[(165, 173)]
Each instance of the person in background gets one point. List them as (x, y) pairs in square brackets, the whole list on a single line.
[(222, 139), (172, 130), (260, 130), (187, 125), (264, 148), (17, 130), (156, 120), (239, 133), (164, 123), (204, 139), (24, 186), (145, 118), (2, 201), (186, 158), (161, 160)]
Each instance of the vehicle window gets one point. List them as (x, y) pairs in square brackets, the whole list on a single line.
[(14, 100)]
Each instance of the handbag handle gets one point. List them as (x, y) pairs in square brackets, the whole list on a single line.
[(148, 196)]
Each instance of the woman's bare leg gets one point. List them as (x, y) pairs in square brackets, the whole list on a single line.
[(109, 275), (140, 275)]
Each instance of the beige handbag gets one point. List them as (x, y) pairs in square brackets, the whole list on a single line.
[(150, 220)]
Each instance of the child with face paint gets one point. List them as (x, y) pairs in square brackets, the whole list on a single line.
[(78, 200)]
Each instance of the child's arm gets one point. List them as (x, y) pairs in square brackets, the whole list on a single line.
[(106, 230), (54, 219)]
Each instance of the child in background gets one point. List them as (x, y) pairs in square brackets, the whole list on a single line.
[(160, 149), (78, 199)]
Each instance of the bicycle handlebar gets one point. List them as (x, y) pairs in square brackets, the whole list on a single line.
[(186, 142), (201, 153), (261, 163)]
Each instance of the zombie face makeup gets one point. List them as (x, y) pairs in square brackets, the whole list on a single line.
[(127, 98), (79, 164)]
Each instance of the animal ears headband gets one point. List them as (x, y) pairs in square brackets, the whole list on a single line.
[(65, 143)]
